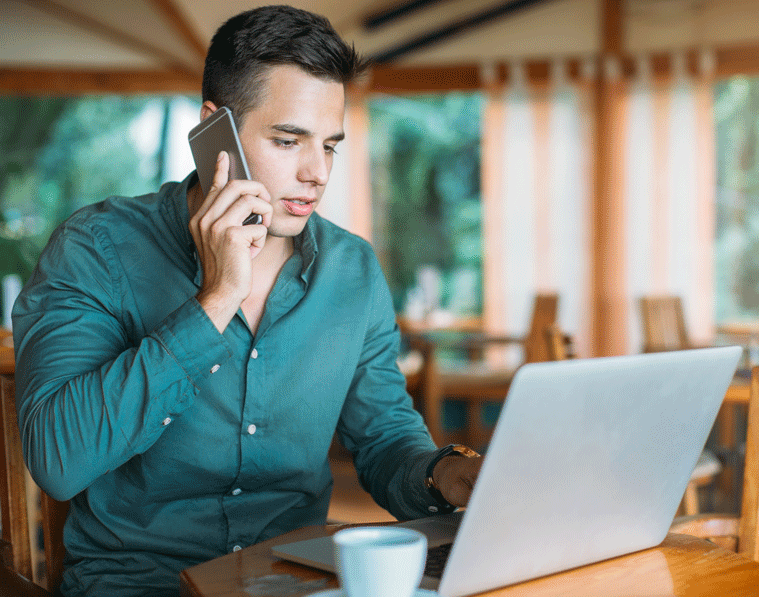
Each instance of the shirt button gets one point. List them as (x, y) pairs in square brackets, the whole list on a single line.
[(236, 491), (236, 548), (251, 429), (433, 509), (254, 354), (215, 368), (166, 421)]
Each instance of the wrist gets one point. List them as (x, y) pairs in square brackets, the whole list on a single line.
[(437, 468), (219, 307)]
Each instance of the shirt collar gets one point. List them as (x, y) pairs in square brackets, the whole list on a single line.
[(305, 244), (176, 211)]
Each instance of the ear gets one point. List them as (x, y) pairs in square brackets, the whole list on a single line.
[(207, 109)]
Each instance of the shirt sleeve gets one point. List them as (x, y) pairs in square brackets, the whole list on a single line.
[(88, 398), (391, 445)]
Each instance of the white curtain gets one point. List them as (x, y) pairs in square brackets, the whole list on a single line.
[(544, 216), (667, 206)]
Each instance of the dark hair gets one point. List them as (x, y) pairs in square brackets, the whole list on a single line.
[(249, 44)]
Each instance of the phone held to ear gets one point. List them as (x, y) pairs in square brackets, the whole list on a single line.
[(213, 135)]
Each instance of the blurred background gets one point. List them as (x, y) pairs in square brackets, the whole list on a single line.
[(601, 150), (540, 179)]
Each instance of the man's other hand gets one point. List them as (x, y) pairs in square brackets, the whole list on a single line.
[(454, 477)]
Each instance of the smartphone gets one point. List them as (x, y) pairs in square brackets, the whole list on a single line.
[(213, 135)]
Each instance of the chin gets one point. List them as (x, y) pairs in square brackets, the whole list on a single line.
[(287, 231)]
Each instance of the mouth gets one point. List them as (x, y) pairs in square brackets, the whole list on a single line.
[(299, 206)]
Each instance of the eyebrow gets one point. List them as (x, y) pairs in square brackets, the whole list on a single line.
[(292, 129)]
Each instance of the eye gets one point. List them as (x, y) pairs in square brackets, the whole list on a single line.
[(330, 149), (285, 142)]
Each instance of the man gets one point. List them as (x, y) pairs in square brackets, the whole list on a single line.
[(181, 375)]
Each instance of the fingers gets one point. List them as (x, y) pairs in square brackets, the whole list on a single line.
[(219, 181), (457, 480), (229, 202), (236, 197)]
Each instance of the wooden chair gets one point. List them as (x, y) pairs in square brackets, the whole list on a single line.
[(664, 329), (7, 359), (739, 534), (560, 346), (474, 383), (16, 541), (663, 324)]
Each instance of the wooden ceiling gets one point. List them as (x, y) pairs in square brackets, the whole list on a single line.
[(76, 46)]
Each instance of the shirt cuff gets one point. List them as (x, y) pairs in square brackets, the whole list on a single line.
[(420, 495), (189, 335)]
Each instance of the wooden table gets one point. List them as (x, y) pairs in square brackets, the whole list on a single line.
[(739, 391), (739, 330), (681, 565)]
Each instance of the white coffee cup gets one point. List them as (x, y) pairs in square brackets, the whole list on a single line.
[(380, 561)]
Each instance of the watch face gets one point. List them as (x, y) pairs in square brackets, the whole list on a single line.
[(465, 451)]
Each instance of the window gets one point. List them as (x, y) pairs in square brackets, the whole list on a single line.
[(425, 161), (736, 113), (60, 154)]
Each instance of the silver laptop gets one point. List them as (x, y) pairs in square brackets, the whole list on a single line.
[(589, 460)]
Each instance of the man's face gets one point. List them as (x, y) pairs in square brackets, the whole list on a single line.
[(289, 140)]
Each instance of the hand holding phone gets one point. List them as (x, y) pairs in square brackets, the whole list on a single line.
[(213, 135)]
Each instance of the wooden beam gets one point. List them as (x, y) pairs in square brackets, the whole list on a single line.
[(79, 82), (388, 79), (740, 60), (169, 10), (399, 11), (112, 34), (455, 28), (612, 27)]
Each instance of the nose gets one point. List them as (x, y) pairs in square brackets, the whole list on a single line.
[(315, 167)]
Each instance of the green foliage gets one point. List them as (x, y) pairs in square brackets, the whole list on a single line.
[(736, 112), (60, 154), (426, 188)]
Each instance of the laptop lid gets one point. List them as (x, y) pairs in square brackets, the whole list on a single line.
[(589, 460)]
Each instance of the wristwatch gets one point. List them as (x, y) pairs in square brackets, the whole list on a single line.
[(429, 481)]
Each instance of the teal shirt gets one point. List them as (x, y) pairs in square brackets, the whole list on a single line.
[(177, 444)]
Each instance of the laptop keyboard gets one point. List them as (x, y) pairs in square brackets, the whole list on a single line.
[(436, 559)]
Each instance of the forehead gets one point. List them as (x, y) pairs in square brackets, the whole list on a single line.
[(292, 96)]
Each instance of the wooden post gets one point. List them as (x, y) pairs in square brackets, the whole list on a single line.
[(608, 317)]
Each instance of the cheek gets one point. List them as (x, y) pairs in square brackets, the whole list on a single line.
[(267, 168)]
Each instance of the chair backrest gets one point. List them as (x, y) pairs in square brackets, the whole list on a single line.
[(748, 530), (16, 544), (560, 346), (663, 323), (544, 312)]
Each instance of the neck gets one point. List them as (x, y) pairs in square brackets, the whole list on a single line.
[(276, 251)]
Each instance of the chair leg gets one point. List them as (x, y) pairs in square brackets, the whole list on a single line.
[(690, 499)]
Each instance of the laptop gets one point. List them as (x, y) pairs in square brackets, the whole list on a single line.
[(589, 460)]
